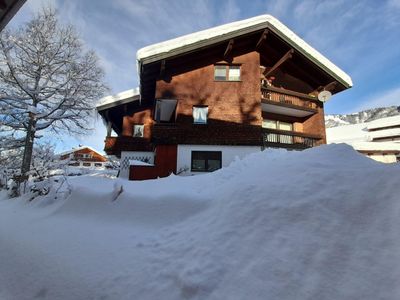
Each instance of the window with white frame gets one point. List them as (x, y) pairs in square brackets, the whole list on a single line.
[(138, 130), (227, 72), (234, 73), (220, 72), (200, 114)]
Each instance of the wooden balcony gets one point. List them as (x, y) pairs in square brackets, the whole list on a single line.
[(114, 144), (273, 138), (288, 103)]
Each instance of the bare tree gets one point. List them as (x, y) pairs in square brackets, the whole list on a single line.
[(48, 82)]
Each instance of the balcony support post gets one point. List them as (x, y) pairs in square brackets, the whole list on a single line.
[(109, 129)]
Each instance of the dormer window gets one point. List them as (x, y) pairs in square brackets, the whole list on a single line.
[(200, 114), (227, 72)]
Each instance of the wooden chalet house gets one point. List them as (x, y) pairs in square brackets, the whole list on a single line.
[(207, 97), (84, 156)]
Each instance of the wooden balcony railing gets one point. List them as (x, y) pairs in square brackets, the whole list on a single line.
[(289, 139), (284, 97)]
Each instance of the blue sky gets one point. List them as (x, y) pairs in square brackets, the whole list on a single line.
[(361, 37)]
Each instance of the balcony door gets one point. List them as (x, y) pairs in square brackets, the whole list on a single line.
[(277, 137)]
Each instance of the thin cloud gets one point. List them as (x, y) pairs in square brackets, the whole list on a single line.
[(387, 98)]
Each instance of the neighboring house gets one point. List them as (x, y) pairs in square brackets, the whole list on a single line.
[(378, 139), (210, 96), (83, 156)]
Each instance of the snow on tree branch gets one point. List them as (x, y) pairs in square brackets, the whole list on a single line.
[(48, 80)]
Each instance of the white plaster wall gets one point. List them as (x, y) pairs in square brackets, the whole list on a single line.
[(126, 156), (387, 158), (229, 153)]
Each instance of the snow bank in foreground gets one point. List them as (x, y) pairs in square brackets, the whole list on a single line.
[(318, 224)]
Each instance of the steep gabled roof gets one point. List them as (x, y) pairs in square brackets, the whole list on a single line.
[(193, 41)]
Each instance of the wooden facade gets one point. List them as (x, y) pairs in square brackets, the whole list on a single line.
[(236, 108), (84, 156)]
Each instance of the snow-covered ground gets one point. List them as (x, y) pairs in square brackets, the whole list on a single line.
[(319, 224)]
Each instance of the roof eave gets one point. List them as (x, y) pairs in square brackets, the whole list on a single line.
[(343, 78), (106, 106)]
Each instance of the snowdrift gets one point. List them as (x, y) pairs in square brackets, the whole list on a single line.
[(318, 224)]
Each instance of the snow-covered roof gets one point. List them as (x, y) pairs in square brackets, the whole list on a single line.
[(360, 138), (118, 99), (377, 146), (384, 122), (217, 34), (385, 133), (77, 149), (347, 133)]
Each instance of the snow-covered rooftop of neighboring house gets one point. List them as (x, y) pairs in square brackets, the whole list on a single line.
[(78, 149), (384, 133), (347, 133), (358, 136), (384, 122), (217, 34), (359, 132), (375, 146), (117, 99)]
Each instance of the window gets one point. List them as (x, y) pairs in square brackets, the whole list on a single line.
[(234, 73), (138, 130), (285, 126), (85, 164), (86, 155), (98, 164), (206, 161), (227, 73), (273, 124), (220, 72), (200, 114)]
